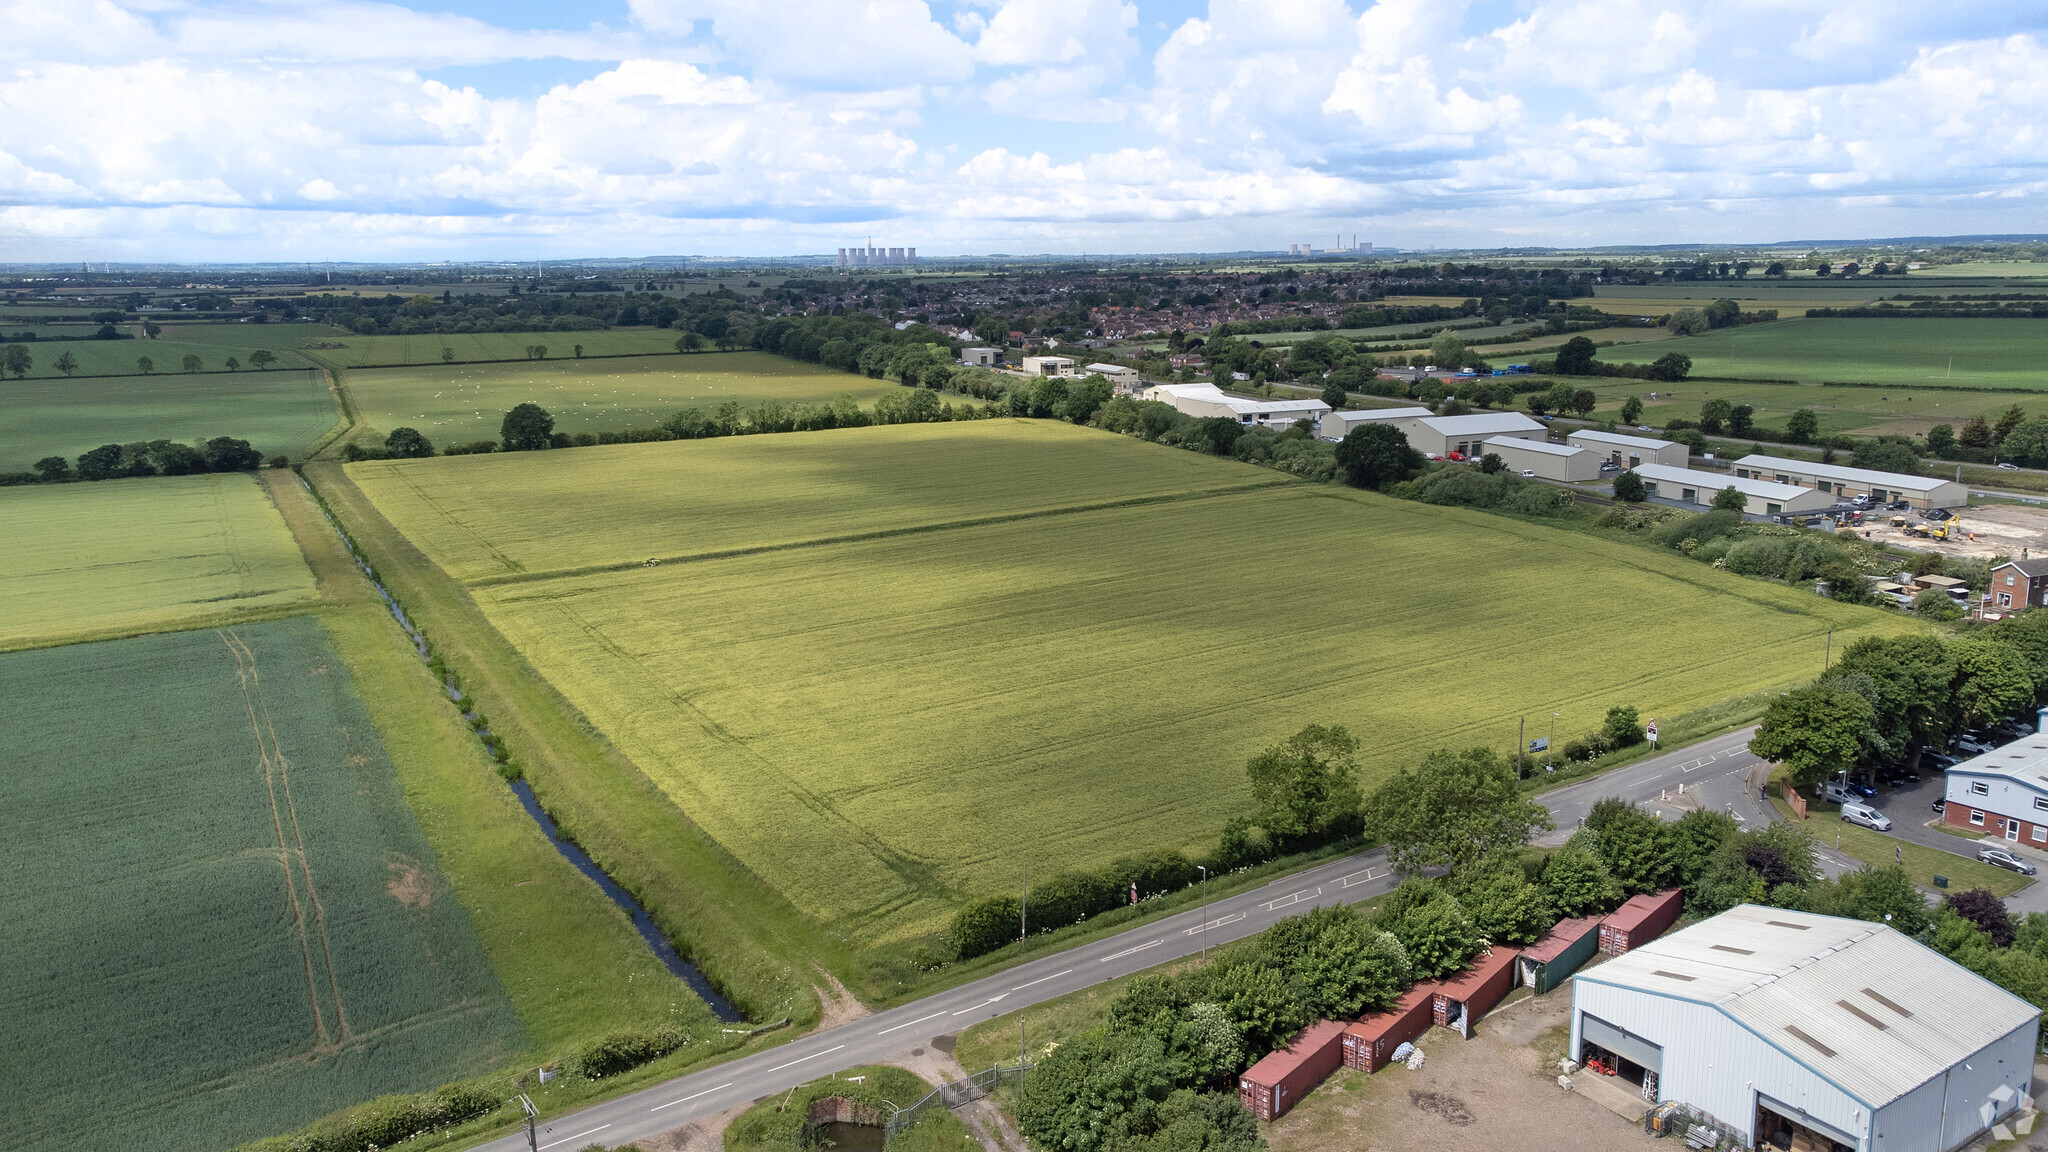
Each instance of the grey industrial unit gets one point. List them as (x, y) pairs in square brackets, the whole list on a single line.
[(1797, 1029), (1629, 451), (1566, 463)]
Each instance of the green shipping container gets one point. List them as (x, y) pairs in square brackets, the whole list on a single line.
[(1553, 958)]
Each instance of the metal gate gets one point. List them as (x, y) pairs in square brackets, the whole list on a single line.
[(953, 1094)]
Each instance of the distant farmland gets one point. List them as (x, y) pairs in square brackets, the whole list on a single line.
[(882, 728), (128, 555), (457, 403), (223, 920), (212, 343), (276, 412), (352, 351)]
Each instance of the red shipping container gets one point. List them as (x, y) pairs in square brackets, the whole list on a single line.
[(1273, 1085), (1370, 1043), (1641, 920), (1472, 992)]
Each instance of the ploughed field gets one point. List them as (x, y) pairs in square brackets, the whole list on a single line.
[(223, 919), (282, 411), (1044, 646), (130, 555), (459, 403)]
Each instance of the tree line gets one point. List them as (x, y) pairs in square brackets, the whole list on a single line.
[(146, 458)]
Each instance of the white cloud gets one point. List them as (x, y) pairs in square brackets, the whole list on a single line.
[(302, 128)]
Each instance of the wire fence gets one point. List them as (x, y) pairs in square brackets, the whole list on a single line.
[(954, 1094)]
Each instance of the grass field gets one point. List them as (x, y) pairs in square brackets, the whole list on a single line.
[(212, 343), (479, 518), (224, 920), (132, 555), (457, 403), (374, 351), (276, 412), (883, 728)]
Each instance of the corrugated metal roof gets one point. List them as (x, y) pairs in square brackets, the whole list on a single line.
[(1543, 446), (1865, 1007), (2024, 761), (1483, 969), (1384, 413), (1639, 908), (1715, 481), (1618, 438), (1481, 424), (1306, 1043), (1562, 935), (1867, 477)]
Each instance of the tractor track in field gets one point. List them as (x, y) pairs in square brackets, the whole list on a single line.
[(276, 775)]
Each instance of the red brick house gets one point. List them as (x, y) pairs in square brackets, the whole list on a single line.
[(2017, 585)]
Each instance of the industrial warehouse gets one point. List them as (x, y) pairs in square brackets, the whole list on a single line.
[(1810, 1032)]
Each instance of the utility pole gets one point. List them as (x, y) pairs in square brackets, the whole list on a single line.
[(532, 1114), (1023, 909), (1828, 660), (1205, 909), (1521, 730)]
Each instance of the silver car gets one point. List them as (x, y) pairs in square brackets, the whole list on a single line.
[(1867, 816), (2004, 859)]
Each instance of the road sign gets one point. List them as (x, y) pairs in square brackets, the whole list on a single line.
[(1651, 731), (1540, 744)]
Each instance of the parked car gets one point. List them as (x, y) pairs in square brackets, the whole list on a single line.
[(1940, 761), (1999, 857), (1973, 747), (1941, 805), (1528, 473), (2010, 467), (1862, 789), (1866, 816)]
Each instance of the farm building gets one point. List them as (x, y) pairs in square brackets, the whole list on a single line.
[(1279, 1081), (1470, 994), (1370, 1043), (1206, 400), (1048, 366), (2002, 793), (1561, 462), (2020, 584), (1337, 425), (1642, 919), (982, 357), (1558, 953), (1806, 1031), (1630, 451), (1125, 379), (1765, 498), (1443, 435), (1845, 483)]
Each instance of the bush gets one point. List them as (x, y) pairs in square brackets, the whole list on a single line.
[(1629, 488), (1701, 528), (474, 447), (983, 926), (386, 1121), (623, 1051)]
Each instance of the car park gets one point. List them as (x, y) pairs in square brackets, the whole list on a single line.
[(1999, 857), (1867, 816)]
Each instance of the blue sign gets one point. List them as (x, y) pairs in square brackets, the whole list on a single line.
[(1540, 744)]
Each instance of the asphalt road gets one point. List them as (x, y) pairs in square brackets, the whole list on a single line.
[(1718, 771)]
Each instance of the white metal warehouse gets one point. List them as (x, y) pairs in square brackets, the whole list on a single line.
[(1787, 1025), (1337, 425), (1763, 498), (1630, 451), (1843, 481), (1565, 462)]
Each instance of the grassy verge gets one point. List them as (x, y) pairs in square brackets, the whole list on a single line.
[(1676, 732), (1876, 849), (1045, 1025), (746, 937)]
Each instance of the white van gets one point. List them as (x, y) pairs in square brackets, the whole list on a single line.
[(1867, 816), (1837, 792)]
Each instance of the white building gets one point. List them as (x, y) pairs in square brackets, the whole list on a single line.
[(1567, 463), (1629, 451), (2003, 793), (1764, 497), (1797, 1030), (1048, 366), (1843, 483), (1124, 378), (982, 357), (1206, 400), (1338, 425), (1463, 435)]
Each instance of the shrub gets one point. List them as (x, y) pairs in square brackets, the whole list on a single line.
[(623, 1051), (474, 447), (983, 926), (386, 1121)]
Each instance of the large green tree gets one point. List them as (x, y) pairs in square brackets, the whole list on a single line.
[(1632, 843), (1576, 357), (527, 427), (1814, 731), (408, 444), (1992, 680), (1375, 455), (1577, 880), (1452, 810), (1307, 785), (1909, 681)]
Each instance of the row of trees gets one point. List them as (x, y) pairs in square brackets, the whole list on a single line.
[(18, 362), (145, 458)]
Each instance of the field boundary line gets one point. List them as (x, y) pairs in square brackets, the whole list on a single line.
[(305, 867), (881, 534), (283, 853)]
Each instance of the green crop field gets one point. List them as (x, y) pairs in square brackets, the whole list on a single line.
[(351, 351), (457, 403), (882, 728), (492, 516), (212, 343), (276, 412), (133, 555), (223, 919)]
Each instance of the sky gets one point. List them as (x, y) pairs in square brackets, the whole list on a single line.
[(319, 130)]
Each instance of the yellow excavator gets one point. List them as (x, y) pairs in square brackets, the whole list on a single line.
[(1936, 524)]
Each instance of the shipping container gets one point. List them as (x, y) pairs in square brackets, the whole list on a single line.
[(1641, 920), (1276, 1083), (1469, 994), (1370, 1043), (1559, 953)]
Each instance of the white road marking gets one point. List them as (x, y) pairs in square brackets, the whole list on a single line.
[(812, 1056), (1284, 901), (1218, 923), (1040, 980), (983, 1004), (919, 1020), (687, 1099), (578, 1136), (1128, 951), (1367, 876)]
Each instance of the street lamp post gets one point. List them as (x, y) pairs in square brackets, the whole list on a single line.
[(1205, 910)]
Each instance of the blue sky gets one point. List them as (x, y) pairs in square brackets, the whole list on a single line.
[(462, 129)]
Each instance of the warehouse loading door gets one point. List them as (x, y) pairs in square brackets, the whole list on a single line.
[(1625, 1054), (1780, 1125)]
